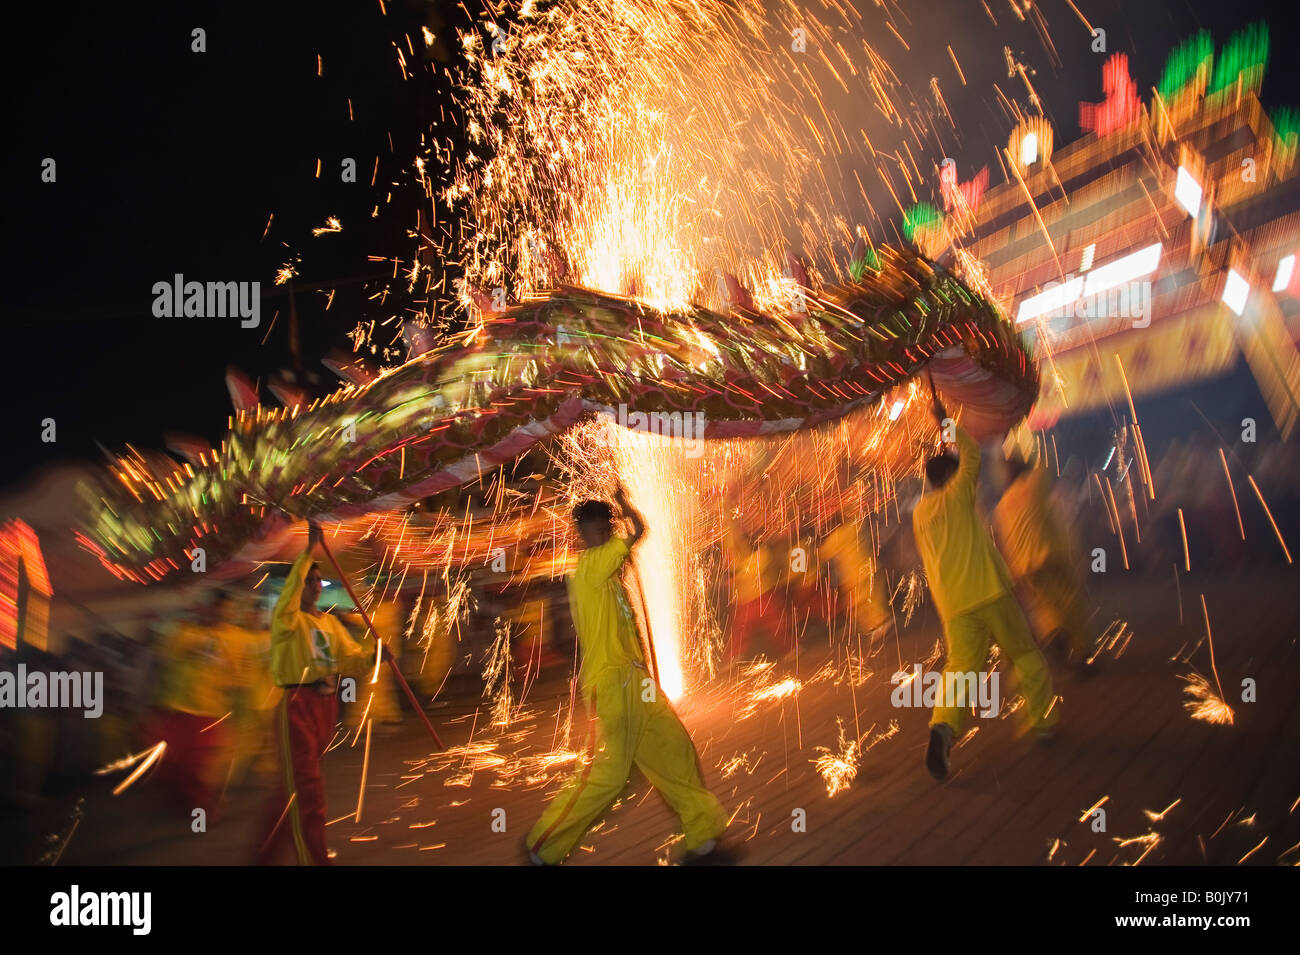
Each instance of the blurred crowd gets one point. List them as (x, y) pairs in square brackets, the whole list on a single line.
[(200, 681)]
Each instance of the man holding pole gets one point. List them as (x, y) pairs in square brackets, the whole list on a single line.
[(309, 650), (634, 722), (973, 595)]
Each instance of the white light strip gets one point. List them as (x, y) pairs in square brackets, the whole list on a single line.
[(1188, 192), (1140, 263), (1049, 301), (1235, 292), (1285, 268), (1085, 261)]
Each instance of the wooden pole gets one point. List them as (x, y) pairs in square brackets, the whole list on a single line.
[(397, 674)]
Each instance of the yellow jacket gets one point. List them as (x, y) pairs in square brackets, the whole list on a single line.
[(843, 549), (754, 571), (203, 666), (309, 647), (260, 691), (1027, 526), (964, 568), (606, 628)]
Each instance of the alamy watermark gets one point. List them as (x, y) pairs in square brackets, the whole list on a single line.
[(182, 299), (921, 689), (1128, 300), (687, 426), (54, 690), (129, 909)]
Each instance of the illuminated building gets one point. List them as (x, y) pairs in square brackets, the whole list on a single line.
[(1167, 237)]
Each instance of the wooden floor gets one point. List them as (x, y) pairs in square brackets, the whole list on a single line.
[(1174, 789)]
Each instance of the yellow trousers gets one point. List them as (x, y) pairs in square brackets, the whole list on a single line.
[(1053, 600), (630, 730), (967, 636), (871, 603)]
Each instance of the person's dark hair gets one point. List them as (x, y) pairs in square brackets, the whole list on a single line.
[(593, 511), (940, 468)]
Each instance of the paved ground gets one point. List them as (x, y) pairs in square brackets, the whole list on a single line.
[(1174, 789)]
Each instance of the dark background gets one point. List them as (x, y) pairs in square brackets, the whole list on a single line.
[(172, 161)]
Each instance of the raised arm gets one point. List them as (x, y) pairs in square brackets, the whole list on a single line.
[(968, 450), (968, 460), (638, 525), (289, 605)]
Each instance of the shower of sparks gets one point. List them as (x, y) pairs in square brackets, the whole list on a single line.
[(838, 768), (1149, 840), (686, 493), (611, 145), (496, 675), (1204, 703)]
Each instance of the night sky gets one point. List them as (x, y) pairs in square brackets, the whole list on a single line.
[(172, 161)]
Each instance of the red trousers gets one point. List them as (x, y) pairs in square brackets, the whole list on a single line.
[(305, 721), (756, 626), (186, 768)]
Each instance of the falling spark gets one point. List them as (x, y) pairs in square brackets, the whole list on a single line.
[(1182, 527), (151, 756), (1252, 851), (1233, 491), (332, 224), (1159, 817), (1087, 813), (960, 74), (1264, 504)]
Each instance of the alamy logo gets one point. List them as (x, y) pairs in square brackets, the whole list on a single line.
[(1130, 300), (75, 907), (946, 690), (688, 426), (182, 299), (56, 690)]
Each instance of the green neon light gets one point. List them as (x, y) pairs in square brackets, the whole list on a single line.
[(1188, 58), (1286, 126), (1246, 52), (859, 267), (921, 214)]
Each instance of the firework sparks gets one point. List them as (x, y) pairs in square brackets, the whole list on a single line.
[(838, 768)]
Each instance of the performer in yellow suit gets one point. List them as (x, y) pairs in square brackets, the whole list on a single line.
[(309, 650), (377, 700), (256, 703), (1039, 552), (634, 721), (973, 595), (199, 685), (859, 579), (759, 624)]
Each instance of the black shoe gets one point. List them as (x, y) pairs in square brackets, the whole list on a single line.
[(1056, 649), (936, 756), (714, 855)]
